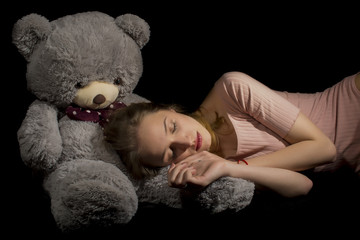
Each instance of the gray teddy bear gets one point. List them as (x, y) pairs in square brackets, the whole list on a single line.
[(80, 68)]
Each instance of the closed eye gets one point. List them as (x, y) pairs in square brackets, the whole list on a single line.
[(174, 127)]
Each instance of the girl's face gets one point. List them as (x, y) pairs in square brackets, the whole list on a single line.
[(167, 137)]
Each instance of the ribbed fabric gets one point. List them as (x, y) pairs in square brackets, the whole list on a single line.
[(336, 111), (262, 117)]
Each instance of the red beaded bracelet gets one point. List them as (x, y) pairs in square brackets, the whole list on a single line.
[(242, 160)]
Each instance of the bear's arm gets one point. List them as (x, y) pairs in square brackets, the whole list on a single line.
[(39, 137)]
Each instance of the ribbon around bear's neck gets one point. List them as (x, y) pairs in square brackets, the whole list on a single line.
[(100, 116)]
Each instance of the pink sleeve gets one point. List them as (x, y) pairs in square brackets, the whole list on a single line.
[(247, 96)]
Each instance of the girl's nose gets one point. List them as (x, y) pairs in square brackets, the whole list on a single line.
[(180, 147), (182, 143)]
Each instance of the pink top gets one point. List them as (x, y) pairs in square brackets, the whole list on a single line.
[(263, 117)]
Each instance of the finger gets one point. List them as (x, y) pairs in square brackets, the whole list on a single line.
[(182, 178), (172, 175), (174, 166), (171, 167), (179, 179), (189, 174)]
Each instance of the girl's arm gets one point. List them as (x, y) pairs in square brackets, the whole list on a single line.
[(203, 168), (309, 148), (285, 182)]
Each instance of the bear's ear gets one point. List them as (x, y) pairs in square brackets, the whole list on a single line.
[(136, 27), (30, 31)]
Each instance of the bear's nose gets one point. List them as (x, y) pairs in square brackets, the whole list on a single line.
[(99, 99)]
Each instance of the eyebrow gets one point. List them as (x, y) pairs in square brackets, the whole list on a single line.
[(165, 127)]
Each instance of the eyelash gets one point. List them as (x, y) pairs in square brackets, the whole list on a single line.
[(174, 127), (173, 131)]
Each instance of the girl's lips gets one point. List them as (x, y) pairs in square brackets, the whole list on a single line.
[(198, 141)]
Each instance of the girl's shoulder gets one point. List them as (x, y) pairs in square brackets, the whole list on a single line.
[(224, 89)]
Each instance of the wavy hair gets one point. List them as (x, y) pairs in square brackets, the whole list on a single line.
[(123, 126)]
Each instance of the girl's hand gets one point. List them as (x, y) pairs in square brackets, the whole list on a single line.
[(179, 174), (199, 169), (203, 168)]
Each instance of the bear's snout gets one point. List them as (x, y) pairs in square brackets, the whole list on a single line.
[(99, 99), (96, 95)]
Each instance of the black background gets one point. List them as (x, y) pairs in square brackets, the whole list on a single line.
[(295, 47)]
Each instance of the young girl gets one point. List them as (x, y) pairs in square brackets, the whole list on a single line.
[(243, 129)]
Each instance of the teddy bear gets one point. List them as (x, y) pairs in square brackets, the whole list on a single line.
[(81, 68)]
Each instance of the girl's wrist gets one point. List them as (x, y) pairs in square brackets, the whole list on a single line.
[(231, 168)]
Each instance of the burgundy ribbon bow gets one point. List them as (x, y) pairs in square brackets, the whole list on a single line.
[(100, 116)]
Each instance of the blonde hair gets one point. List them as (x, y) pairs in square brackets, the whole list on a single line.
[(211, 127), (122, 128)]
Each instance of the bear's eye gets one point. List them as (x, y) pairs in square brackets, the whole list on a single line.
[(78, 85), (117, 81)]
